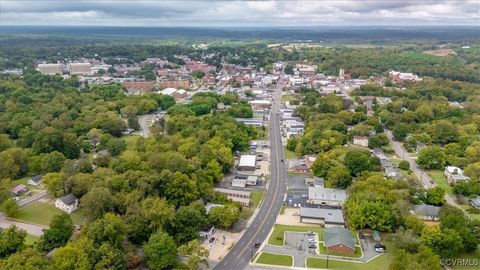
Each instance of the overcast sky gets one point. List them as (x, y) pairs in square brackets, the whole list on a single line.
[(239, 13)]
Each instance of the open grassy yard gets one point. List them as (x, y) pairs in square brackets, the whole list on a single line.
[(255, 198), (380, 263), (275, 259), (31, 240), (276, 238), (290, 154), (470, 256), (440, 179), (42, 213), (21, 181), (471, 211)]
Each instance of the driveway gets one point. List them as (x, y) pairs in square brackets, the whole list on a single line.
[(40, 195), (32, 229)]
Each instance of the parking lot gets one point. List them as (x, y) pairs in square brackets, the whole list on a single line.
[(302, 241), (296, 183)]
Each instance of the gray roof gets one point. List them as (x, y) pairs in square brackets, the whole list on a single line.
[(426, 210), (68, 199), (36, 178), (330, 194), (338, 236), (329, 215), (476, 202)]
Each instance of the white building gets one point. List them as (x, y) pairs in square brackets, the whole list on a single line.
[(360, 140), (50, 69), (247, 163), (80, 69), (326, 196), (68, 203)]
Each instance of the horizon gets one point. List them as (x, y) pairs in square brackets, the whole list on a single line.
[(240, 13)]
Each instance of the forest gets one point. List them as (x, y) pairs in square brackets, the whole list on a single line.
[(147, 193)]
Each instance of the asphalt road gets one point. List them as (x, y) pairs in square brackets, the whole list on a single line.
[(242, 252)]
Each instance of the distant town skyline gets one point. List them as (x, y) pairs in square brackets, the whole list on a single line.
[(240, 13)]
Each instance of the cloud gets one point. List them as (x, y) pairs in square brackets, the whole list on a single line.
[(239, 13)]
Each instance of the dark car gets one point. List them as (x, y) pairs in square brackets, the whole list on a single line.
[(256, 245), (281, 160), (380, 248)]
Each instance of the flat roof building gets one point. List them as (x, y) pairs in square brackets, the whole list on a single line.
[(326, 196), (50, 69), (247, 163), (323, 216), (80, 69), (243, 197)]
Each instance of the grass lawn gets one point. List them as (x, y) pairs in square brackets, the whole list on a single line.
[(42, 213), (290, 154), (471, 256), (441, 180), (380, 263), (469, 210), (21, 181), (255, 198), (276, 238), (357, 254), (275, 259), (31, 240)]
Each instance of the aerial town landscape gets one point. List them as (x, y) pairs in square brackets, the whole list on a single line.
[(259, 147)]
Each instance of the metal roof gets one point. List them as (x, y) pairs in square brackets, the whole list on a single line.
[(338, 236), (329, 215)]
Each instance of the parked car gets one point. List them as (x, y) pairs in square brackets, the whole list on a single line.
[(296, 214), (256, 245), (380, 248)]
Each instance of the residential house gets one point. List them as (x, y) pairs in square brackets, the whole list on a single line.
[(325, 217), (326, 196), (68, 203), (18, 190), (426, 212), (454, 175), (35, 181), (339, 240), (476, 202)]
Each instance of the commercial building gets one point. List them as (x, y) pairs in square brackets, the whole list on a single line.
[(141, 86), (247, 163), (322, 216), (80, 69), (50, 69), (174, 83), (244, 180), (240, 196), (326, 196), (339, 240)]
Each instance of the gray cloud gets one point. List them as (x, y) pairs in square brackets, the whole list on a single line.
[(239, 13)]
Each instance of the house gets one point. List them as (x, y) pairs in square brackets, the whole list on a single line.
[(247, 163), (260, 105), (454, 175), (360, 140), (240, 196), (301, 168), (325, 217), (35, 181), (18, 190), (68, 203), (476, 202), (420, 146), (326, 196), (339, 240), (426, 212)]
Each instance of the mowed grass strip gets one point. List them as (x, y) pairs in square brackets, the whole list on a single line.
[(275, 259), (381, 262), (276, 238), (42, 213)]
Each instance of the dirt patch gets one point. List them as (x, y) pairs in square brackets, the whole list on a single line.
[(219, 248), (288, 218), (441, 53)]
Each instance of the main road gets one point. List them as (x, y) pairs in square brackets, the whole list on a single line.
[(242, 252)]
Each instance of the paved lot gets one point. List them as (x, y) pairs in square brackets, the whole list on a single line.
[(32, 229), (296, 183)]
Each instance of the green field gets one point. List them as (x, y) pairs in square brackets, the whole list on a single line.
[(42, 213), (469, 210), (290, 154), (275, 259), (380, 263), (471, 256), (276, 238), (31, 240), (255, 198), (441, 180)]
